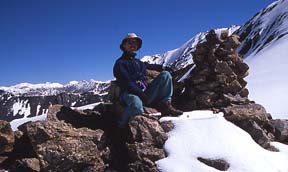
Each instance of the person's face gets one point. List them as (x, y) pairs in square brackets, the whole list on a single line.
[(131, 45)]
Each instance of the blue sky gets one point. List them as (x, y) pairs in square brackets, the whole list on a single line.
[(65, 40)]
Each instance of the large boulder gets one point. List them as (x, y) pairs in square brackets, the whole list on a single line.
[(61, 147), (255, 112)]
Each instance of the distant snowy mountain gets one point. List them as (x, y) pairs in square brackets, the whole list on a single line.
[(181, 57), (264, 29), (49, 89), (29, 100), (264, 47)]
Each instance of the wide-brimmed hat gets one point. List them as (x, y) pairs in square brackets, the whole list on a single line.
[(131, 36)]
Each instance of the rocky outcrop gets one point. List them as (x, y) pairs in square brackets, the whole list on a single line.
[(57, 146), (60, 144)]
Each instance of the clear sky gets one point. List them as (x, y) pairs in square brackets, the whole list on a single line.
[(65, 40)]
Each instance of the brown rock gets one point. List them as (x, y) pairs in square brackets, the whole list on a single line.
[(167, 126), (253, 111), (60, 147), (279, 127), (223, 68), (26, 165), (147, 130), (219, 164), (257, 133), (139, 151), (6, 137), (233, 87)]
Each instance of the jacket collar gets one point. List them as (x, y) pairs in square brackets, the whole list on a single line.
[(128, 56)]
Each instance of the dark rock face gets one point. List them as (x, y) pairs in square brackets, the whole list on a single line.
[(14, 107)]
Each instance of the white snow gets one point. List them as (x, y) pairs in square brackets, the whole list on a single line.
[(90, 106), (267, 79), (181, 57), (47, 89), (207, 135), (186, 74), (21, 107), (17, 122), (267, 25)]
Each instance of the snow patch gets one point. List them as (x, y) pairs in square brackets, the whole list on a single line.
[(210, 136)]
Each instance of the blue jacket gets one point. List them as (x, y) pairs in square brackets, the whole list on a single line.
[(128, 70)]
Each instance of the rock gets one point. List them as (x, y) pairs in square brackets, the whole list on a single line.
[(279, 127), (142, 166), (139, 151), (236, 99), (257, 133), (222, 67), (26, 165), (145, 144), (219, 164), (167, 126), (244, 112), (60, 147), (6, 137), (218, 71), (146, 130)]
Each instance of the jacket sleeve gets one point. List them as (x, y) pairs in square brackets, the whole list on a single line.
[(156, 67), (123, 77)]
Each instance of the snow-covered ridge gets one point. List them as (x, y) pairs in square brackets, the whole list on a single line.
[(266, 27), (48, 89), (182, 57)]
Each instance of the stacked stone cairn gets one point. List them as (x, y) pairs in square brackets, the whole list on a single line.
[(217, 83), (218, 77)]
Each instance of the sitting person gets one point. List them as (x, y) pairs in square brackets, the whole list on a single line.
[(135, 92)]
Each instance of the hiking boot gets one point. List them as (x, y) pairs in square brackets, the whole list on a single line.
[(167, 109)]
